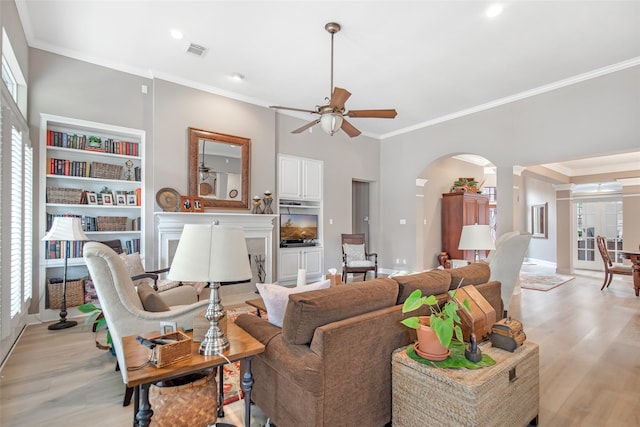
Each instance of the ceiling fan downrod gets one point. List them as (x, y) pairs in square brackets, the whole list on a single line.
[(332, 28)]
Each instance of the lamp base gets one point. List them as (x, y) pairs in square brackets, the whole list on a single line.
[(62, 324)]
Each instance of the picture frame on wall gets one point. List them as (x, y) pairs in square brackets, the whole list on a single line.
[(186, 204)]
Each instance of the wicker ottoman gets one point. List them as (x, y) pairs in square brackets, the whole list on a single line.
[(505, 394)]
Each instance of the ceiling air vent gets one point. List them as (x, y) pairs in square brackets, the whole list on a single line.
[(196, 49)]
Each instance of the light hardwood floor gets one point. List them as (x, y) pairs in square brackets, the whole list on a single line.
[(589, 364)]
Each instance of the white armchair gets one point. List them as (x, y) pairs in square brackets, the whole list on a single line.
[(121, 305), (506, 261)]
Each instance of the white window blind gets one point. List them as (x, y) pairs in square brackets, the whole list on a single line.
[(16, 221), (28, 224)]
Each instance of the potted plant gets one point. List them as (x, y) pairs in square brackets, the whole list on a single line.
[(98, 321), (435, 332)]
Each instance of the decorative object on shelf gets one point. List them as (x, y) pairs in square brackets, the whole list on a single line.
[(444, 323), (92, 198), (476, 238), (215, 254), (465, 185), (507, 334), (256, 205), (65, 229), (267, 203), (186, 204), (168, 199), (121, 199), (95, 142), (198, 204), (128, 175)]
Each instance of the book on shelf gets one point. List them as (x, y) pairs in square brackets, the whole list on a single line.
[(79, 142)]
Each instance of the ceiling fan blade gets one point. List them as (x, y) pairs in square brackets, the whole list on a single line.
[(307, 126), (349, 129), (380, 114), (338, 98), (277, 107)]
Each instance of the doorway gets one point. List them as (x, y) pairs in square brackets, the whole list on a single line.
[(597, 218), (360, 209)]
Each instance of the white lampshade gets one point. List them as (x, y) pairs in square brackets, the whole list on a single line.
[(211, 253), (66, 228), (331, 122), (476, 237)]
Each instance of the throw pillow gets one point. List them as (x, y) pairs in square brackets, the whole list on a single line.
[(133, 264), (353, 252), (276, 297), (150, 299)]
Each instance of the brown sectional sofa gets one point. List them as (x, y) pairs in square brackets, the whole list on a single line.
[(330, 363)]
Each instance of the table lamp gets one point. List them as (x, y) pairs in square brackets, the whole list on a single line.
[(476, 238), (65, 229), (211, 253)]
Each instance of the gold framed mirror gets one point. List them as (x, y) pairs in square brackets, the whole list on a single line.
[(539, 221), (219, 169)]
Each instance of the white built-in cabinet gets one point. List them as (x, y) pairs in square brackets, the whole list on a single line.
[(78, 160), (300, 191), (299, 178)]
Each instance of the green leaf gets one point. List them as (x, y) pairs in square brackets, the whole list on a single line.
[(411, 322), (431, 300), (88, 308), (458, 332), (413, 301)]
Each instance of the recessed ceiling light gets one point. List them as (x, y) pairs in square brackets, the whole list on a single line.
[(237, 77), (494, 10), (176, 34)]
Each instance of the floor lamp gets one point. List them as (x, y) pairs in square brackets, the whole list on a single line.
[(476, 238), (65, 230), (215, 254)]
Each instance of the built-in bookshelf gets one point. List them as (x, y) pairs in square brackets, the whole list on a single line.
[(92, 171)]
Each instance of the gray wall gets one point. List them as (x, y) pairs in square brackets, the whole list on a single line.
[(591, 118), (536, 192)]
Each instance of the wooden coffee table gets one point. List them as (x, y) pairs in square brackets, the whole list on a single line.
[(243, 347)]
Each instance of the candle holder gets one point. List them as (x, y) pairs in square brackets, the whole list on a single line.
[(256, 205), (267, 203)]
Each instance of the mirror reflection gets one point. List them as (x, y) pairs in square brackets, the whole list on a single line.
[(219, 169)]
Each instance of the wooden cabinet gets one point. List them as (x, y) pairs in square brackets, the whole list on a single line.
[(299, 179), (79, 163), (292, 259), (458, 210)]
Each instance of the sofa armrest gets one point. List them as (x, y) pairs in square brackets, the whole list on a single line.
[(258, 328)]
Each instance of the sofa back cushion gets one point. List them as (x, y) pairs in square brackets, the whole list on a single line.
[(434, 282), (308, 310), (473, 274)]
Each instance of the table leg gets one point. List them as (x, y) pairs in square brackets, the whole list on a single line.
[(144, 412), (221, 392), (247, 384), (636, 278), (136, 404)]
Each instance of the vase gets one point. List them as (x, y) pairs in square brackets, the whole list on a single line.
[(429, 346)]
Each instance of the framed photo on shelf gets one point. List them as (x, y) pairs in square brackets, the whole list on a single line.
[(186, 204), (132, 199), (121, 199), (198, 204), (92, 198), (107, 199)]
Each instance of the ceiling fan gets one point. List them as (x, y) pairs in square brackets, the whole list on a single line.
[(332, 114)]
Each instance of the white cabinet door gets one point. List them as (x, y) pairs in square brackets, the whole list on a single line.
[(312, 180), (290, 181), (292, 259)]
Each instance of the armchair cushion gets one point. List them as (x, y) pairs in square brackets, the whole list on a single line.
[(354, 252), (276, 298), (360, 264), (150, 299), (133, 264)]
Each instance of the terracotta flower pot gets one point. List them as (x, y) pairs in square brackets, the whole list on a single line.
[(429, 346)]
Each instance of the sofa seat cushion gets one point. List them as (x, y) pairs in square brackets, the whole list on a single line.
[(306, 311), (473, 274), (434, 282)]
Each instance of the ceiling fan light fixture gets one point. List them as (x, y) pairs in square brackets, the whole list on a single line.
[(331, 122)]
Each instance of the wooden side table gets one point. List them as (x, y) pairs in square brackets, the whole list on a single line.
[(506, 393)]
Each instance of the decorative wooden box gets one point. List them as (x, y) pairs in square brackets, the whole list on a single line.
[(178, 349)]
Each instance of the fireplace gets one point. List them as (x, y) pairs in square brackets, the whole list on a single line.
[(258, 232)]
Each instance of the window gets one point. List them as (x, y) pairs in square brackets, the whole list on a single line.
[(9, 80)]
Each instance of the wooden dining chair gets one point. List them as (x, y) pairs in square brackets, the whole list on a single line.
[(355, 258), (609, 268)]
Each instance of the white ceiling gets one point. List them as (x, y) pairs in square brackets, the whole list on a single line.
[(430, 60)]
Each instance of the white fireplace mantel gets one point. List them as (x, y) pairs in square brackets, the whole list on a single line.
[(170, 224)]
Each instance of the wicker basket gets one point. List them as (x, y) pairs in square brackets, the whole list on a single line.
[(106, 170), (188, 403), (112, 223), (75, 293), (64, 195), (173, 352)]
